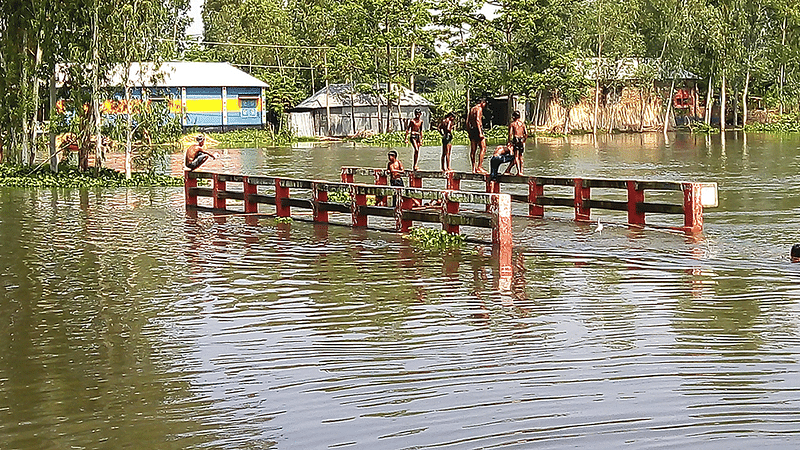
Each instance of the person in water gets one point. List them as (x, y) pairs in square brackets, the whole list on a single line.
[(414, 129), (502, 154), (477, 140), (196, 155), (446, 130), (517, 135)]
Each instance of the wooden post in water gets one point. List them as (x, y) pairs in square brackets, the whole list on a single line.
[(449, 207), (357, 202), (281, 194), (217, 187), (635, 197), (692, 208), (535, 191), (582, 193), (250, 206), (319, 195), (189, 185)]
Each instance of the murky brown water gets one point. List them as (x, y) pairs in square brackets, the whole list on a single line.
[(126, 324)]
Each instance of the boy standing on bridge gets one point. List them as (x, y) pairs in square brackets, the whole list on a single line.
[(517, 135), (415, 130), (446, 130), (477, 141)]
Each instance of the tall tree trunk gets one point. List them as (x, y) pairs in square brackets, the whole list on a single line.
[(783, 65), (709, 100), (98, 146), (411, 78), (35, 116), (128, 129), (745, 93), (722, 104), (53, 150), (669, 105), (327, 97)]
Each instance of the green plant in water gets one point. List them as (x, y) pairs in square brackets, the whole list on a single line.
[(702, 128), (339, 197), (435, 239), (788, 123), (70, 177), (284, 220)]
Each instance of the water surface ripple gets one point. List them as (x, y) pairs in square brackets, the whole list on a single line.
[(126, 323)]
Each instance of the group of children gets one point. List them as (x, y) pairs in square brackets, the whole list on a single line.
[(510, 153)]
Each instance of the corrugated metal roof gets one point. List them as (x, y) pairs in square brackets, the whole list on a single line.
[(185, 74), (629, 69), (342, 95)]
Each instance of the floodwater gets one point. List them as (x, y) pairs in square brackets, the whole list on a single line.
[(126, 324)]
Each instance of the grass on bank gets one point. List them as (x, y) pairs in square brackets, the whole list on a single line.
[(69, 176)]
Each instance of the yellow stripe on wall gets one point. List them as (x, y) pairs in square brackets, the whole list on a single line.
[(204, 105)]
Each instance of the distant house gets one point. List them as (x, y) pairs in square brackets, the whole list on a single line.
[(208, 95), (341, 110), (626, 101)]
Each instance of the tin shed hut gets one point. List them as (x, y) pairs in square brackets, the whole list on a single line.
[(353, 111), (208, 95)]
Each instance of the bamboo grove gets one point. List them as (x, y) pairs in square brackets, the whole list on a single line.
[(451, 50)]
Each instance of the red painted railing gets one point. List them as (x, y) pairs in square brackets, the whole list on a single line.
[(696, 196)]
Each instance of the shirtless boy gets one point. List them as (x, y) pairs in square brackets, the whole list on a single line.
[(415, 130), (196, 155), (446, 130), (477, 141), (517, 136), (502, 154), (396, 171)]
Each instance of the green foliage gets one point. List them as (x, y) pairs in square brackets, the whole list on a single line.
[(70, 177), (339, 197), (432, 239), (788, 123), (700, 127), (252, 138), (284, 220)]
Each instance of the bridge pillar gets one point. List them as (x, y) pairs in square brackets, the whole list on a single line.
[(250, 205), (635, 197), (217, 188), (535, 191), (281, 193), (692, 208), (189, 186), (582, 194), (320, 196)]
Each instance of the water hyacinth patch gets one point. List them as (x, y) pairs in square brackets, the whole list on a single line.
[(70, 177), (435, 239)]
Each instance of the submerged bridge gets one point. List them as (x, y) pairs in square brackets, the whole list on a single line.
[(403, 204)]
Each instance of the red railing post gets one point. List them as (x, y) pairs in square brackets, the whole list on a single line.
[(635, 197), (500, 208), (320, 196), (189, 185), (347, 175), (692, 208), (357, 202), (453, 183), (405, 204), (582, 194), (250, 205), (281, 193), (449, 207), (380, 177), (219, 187), (535, 190), (414, 180), (492, 187)]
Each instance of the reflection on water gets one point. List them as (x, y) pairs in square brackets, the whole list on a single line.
[(128, 324)]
